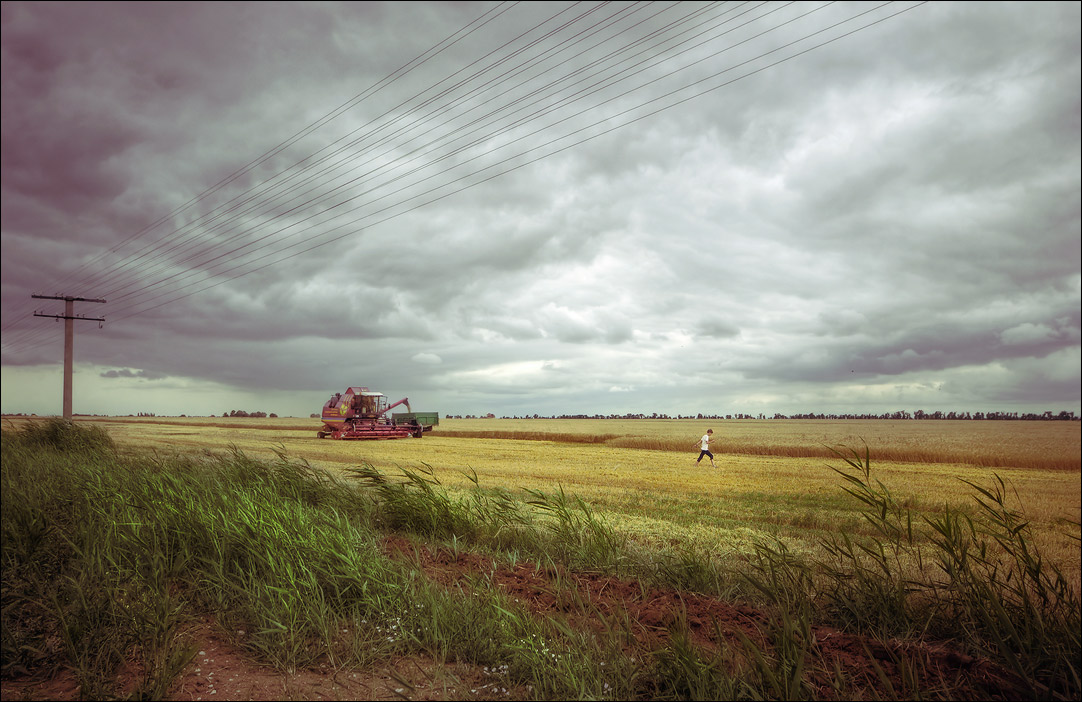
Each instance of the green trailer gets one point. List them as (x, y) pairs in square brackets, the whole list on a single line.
[(424, 420)]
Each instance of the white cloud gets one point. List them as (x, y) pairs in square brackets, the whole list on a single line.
[(1025, 334), (428, 359)]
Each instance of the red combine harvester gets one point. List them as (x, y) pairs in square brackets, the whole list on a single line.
[(360, 413)]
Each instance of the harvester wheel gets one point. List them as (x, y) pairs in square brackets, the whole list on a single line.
[(321, 434)]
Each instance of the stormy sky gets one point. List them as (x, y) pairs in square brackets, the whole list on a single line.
[(543, 207)]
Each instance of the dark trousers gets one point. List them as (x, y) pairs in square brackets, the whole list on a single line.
[(704, 453)]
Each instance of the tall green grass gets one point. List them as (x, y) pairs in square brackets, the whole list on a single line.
[(548, 526), (114, 558)]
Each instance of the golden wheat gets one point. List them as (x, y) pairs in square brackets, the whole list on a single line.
[(1043, 445)]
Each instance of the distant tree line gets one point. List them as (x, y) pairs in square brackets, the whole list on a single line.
[(921, 414), (901, 414), (242, 413)]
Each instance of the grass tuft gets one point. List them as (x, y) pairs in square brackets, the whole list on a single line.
[(64, 435)]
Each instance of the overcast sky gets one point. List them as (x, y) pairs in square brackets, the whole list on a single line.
[(547, 207)]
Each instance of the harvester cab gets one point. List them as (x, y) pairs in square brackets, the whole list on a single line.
[(360, 413)]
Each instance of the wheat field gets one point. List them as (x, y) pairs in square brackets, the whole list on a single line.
[(775, 478), (1051, 445)]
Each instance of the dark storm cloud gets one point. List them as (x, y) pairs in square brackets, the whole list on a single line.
[(897, 208), (716, 328), (888, 350)]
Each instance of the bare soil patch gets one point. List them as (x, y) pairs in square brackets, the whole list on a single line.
[(592, 600), (222, 669)]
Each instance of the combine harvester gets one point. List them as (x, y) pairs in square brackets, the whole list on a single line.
[(359, 413)]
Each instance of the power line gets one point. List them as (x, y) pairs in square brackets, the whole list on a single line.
[(195, 271), (490, 177), (387, 125), (244, 265), (322, 121), (423, 58), (362, 176), (111, 293)]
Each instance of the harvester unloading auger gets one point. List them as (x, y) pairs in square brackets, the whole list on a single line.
[(360, 413)]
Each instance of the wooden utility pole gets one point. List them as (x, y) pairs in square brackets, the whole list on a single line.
[(69, 338)]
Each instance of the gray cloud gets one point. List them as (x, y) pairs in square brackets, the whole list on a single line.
[(891, 218)]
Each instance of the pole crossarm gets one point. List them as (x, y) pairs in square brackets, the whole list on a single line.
[(77, 316), (67, 298)]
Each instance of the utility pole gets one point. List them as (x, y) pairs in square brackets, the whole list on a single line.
[(69, 338)]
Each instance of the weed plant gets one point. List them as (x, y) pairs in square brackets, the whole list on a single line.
[(560, 528), (65, 435), (977, 581)]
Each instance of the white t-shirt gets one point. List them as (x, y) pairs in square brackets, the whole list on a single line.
[(706, 442)]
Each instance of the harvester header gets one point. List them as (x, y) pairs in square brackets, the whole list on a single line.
[(360, 413)]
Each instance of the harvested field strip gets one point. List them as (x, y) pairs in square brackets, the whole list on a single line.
[(558, 437), (975, 456), (252, 424)]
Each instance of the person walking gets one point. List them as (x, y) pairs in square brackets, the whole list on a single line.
[(704, 448)]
